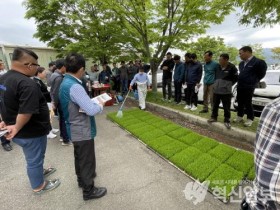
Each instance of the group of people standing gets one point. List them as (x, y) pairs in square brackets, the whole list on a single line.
[(218, 80), (25, 113), (25, 116), (119, 77)]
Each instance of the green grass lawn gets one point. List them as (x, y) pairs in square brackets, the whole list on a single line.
[(156, 98), (203, 158)]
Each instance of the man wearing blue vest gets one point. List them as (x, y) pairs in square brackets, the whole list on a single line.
[(79, 110)]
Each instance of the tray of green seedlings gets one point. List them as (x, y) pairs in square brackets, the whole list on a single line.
[(200, 157)]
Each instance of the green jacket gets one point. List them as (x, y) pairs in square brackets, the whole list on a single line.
[(210, 70)]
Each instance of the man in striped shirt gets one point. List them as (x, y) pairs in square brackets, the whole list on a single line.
[(266, 193)]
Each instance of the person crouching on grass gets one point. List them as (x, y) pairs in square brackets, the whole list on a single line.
[(143, 84)]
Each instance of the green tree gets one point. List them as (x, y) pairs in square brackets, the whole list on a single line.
[(258, 50), (276, 53), (260, 12), (216, 45), (111, 29), (69, 25)]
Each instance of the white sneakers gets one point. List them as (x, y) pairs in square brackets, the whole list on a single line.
[(192, 108), (67, 143), (54, 130), (248, 123), (238, 119), (187, 107), (51, 135)]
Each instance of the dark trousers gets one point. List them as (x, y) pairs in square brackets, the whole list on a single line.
[(62, 125), (117, 84), (166, 82), (244, 100), (178, 91), (85, 163), (4, 140), (124, 84), (226, 101), (191, 95)]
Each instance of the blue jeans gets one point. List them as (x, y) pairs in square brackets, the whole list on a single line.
[(34, 151)]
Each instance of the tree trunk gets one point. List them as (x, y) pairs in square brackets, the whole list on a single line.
[(154, 67)]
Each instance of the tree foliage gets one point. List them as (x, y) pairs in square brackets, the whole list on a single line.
[(216, 45), (276, 53), (132, 28), (69, 25), (258, 50), (260, 12)]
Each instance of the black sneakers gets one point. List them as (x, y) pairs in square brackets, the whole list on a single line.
[(94, 193)]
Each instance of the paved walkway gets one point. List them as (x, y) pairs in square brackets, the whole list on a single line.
[(136, 178)]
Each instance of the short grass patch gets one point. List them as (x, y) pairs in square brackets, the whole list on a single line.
[(116, 119), (241, 161), (161, 123), (160, 141), (179, 133), (132, 127), (224, 180), (185, 157), (205, 144), (151, 135), (146, 118), (170, 128), (139, 113), (222, 152), (201, 157), (190, 138), (128, 122), (252, 174), (202, 167), (141, 130), (171, 149)]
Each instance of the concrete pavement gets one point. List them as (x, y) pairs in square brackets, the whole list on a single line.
[(135, 177)]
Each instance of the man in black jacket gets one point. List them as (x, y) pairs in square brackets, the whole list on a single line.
[(226, 76), (193, 74), (167, 67), (251, 71), (39, 75), (56, 80)]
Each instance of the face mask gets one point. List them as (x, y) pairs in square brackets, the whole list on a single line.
[(141, 72)]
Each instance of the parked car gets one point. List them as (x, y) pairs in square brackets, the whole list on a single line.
[(269, 90)]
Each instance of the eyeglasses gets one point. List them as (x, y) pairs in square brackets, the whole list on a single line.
[(32, 64)]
